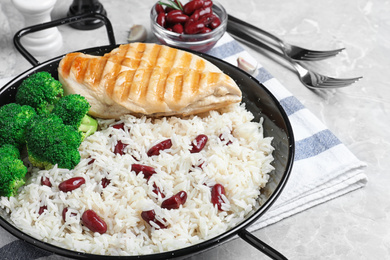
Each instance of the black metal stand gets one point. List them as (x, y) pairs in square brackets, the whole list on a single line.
[(79, 7)]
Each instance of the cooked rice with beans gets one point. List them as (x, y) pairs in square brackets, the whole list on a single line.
[(149, 185)]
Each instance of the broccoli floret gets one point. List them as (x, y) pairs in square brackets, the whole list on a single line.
[(40, 91), (12, 170), (50, 141), (9, 150), (13, 121), (73, 109)]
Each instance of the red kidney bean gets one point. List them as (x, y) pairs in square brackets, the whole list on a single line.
[(223, 140), (215, 22), (178, 28), (191, 6), (206, 19), (150, 215), (201, 165), (42, 209), (71, 184), (45, 181), (157, 190), (64, 211), (91, 161), (159, 8), (175, 17), (216, 193), (168, 9), (194, 17), (135, 158), (92, 221), (105, 182), (175, 12), (178, 18), (119, 147), (200, 12), (193, 27), (207, 3), (119, 126), (175, 201), (199, 143), (161, 19), (206, 30), (64, 214), (148, 171), (156, 149)]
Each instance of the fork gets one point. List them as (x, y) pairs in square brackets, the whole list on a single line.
[(292, 51), (309, 78)]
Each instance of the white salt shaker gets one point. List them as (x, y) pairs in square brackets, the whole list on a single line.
[(36, 12)]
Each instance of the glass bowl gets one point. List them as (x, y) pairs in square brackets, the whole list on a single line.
[(196, 42)]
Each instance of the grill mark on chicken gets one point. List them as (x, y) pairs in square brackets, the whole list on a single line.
[(94, 73), (119, 54), (135, 90), (110, 78), (79, 68), (182, 67), (133, 56), (68, 62), (150, 62), (212, 78), (196, 76), (125, 78), (126, 86), (168, 56)]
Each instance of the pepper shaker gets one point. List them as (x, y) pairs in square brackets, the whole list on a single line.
[(36, 12), (86, 6)]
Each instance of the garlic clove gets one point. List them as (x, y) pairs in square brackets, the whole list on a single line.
[(137, 33), (247, 66)]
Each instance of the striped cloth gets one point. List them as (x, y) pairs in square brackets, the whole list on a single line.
[(323, 168)]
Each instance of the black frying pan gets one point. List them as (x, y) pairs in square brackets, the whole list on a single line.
[(258, 100)]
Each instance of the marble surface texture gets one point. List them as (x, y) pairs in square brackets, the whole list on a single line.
[(354, 226)]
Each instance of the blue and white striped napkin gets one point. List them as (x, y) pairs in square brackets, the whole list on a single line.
[(323, 169)]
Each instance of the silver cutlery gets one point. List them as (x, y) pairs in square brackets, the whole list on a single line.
[(309, 78), (292, 51)]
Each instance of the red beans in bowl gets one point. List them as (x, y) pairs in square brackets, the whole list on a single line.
[(202, 29), (195, 17)]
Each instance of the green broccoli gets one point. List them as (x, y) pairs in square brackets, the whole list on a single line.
[(13, 121), (12, 170), (40, 91), (50, 141), (73, 110)]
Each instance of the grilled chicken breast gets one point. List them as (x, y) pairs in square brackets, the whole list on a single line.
[(147, 79)]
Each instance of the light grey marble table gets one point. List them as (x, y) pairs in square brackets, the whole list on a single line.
[(354, 226)]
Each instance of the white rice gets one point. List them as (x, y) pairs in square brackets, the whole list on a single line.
[(242, 167)]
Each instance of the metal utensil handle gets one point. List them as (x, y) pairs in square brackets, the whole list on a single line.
[(277, 42), (260, 245), (68, 20), (237, 30)]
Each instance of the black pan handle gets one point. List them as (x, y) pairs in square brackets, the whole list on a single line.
[(260, 245), (68, 20)]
